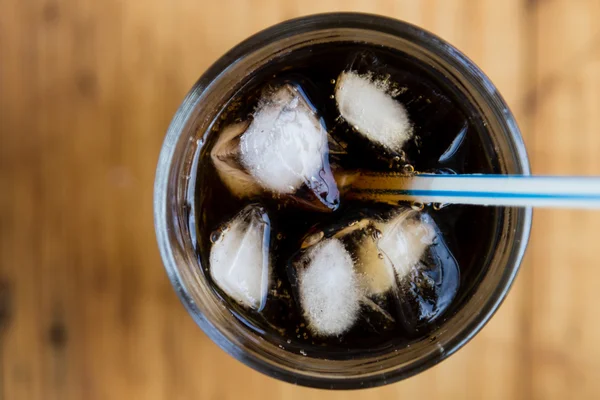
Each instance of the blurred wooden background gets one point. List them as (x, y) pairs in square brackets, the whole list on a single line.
[(87, 89)]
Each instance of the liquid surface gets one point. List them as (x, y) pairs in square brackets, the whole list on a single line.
[(448, 138)]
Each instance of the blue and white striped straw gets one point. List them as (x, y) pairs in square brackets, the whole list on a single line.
[(489, 190)]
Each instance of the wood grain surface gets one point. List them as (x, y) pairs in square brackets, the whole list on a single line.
[(87, 89)]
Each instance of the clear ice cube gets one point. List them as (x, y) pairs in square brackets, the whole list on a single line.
[(404, 240), (377, 275), (427, 272), (239, 257)]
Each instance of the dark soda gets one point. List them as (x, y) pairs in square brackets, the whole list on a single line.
[(449, 137)]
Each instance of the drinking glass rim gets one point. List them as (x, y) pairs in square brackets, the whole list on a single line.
[(271, 35)]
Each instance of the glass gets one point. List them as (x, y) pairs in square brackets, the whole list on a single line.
[(175, 180)]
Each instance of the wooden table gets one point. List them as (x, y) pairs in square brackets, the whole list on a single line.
[(87, 89)]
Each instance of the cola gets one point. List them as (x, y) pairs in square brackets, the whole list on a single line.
[(395, 272)]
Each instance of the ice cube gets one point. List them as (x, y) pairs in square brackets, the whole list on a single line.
[(429, 289), (397, 248), (409, 258), (356, 236), (285, 144), (239, 258), (283, 150), (225, 156), (362, 236), (328, 288), (404, 240), (365, 103), (377, 274), (427, 273)]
